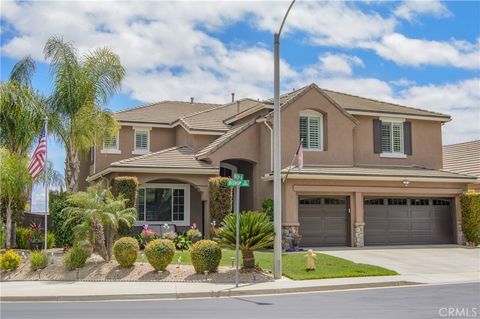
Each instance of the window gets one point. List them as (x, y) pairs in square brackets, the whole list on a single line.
[(441, 202), (164, 203), (374, 201), (311, 130), (310, 201), (397, 201), (392, 137), (419, 202), (334, 201), (142, 141), (110, 145)]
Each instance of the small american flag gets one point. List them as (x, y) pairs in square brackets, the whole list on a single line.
[(37, 163), (299, 155)]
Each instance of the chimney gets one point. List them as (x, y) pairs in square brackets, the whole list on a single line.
[(233, 97), (191, 100), (238, 106)]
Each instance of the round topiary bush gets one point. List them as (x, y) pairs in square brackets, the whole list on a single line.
[(10, 260), (75, 258), (159, 253), (125, 251), (205, 255)]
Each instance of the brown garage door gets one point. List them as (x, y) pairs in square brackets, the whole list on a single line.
[(323, 221), (404, 221)]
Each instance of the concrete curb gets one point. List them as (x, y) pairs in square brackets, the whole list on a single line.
[(208, 294)]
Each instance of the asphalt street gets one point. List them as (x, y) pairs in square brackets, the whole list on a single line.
[(432, 301)]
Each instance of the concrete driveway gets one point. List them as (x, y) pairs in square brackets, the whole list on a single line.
[(451, 263)]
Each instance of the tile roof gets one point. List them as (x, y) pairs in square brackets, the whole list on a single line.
[(212, 119), (378, 171), (175, 157), (164, 112), (462, 158), (225, 138)]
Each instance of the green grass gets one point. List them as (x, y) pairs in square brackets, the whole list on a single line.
[(294, 265)]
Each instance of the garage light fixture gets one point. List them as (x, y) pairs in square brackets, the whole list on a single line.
[(406, 183)]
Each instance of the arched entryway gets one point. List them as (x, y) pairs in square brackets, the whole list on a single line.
[(245, 167)]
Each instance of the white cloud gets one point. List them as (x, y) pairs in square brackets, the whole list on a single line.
[(408, 10), (332, 63), (417, 52), (402, 82)]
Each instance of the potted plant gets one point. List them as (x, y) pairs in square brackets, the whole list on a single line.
[(194, 234), (35, 237)]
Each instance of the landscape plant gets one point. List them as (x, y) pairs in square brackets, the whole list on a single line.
[(22, 237), (100, 214), (256, 232), (63, 232), (75, 258), (127, 186), (38, 259), (182, 241), (10, 260), (194, 234), (205, 256), (221, 197), (470, 204), (267, 207), (159, 253), (125, 251)]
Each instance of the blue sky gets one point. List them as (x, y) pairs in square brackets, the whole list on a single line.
[(418, 53)]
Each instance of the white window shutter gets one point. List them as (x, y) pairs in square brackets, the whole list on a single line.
[(141, 140), (314, 132), (304, 131), (386, 138)]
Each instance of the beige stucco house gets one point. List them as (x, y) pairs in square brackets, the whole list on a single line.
[(372, 170)]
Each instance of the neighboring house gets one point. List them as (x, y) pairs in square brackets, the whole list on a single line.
[(463, 158), (372, 170)]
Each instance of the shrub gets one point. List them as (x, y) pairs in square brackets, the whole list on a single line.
[(470, 203), (182, 241), (38, 260), (256, 231), (3, 234), (22, 236), (205, 255), (159, 253), (127, 186), (193, 233), (267, 207), (50, 240), (125, 251), (10, 260), (63, 232), (75, 258), (147, 235), (220, 198)]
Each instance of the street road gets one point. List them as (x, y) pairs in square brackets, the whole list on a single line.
[(434, 301)]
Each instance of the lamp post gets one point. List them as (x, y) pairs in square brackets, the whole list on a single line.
[(277, 182)]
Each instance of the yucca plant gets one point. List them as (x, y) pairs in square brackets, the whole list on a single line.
[(256, 232), (100, 213)]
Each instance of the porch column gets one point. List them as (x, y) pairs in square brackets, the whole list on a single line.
[(206, 218), (459, 239), (359, 225), (290, 210)]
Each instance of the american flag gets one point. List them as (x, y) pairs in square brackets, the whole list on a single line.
[(37, 162), (299, 155)]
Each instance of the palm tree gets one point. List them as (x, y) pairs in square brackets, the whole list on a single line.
[(100, 214), (256, 232), (82, 86), (22, 110)]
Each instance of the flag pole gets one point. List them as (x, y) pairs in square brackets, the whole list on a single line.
[(46, 180), (293, 160)]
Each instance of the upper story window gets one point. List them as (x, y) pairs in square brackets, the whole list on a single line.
[(392, 137), (110, 145), (311, 130), (142, 141)]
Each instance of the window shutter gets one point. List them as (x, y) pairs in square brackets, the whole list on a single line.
[(304, 131), (407, 137), (314, 132), (377, 136), (141, 140)]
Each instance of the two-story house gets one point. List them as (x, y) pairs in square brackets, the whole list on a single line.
[(372, 171)]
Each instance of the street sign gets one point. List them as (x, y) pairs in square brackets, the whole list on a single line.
[(238, 183), (238, 176), (245, 183)]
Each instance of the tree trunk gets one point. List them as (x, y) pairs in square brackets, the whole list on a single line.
[(109, 235), (72, 169), (248, 259), (99, 244), (8, 243)]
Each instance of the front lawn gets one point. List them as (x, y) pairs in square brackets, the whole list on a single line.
[(294, 265)]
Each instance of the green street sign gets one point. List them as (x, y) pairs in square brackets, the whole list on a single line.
[(241, 183), (238, 177)]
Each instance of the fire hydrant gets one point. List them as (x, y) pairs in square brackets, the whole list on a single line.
[(310, 260)]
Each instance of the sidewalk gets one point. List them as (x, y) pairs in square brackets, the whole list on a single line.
[(82, 290)]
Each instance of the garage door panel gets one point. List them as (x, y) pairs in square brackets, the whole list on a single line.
[(408, 221)]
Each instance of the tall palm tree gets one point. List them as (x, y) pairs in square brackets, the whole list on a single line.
[(83, 85), (22, 110), (100, 213)]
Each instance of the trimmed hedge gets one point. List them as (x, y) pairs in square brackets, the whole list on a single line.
[(470, 203), (125, 251), (75, 258), (10, 260), (127, 186), (159, 253), (38, 260), (220, 198), (63, 233), (205, 255)]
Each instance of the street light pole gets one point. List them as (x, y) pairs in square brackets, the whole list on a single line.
[(277, 166)]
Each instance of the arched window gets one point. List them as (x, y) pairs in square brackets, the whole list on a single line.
[(311, 130)]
